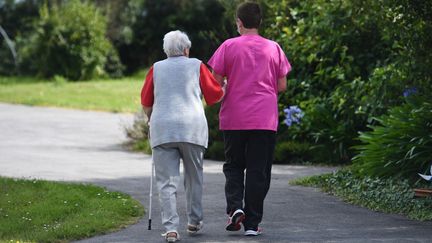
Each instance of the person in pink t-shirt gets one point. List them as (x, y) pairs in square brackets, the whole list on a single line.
[(255, 69)]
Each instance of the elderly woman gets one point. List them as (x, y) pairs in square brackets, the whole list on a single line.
[(171, 98)]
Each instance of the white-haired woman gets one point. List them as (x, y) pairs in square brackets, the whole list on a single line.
[(171, 98)]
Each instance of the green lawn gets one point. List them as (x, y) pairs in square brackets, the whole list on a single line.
[(121, 95), (43, 211)]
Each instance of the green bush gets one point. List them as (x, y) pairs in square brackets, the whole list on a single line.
[(16, 18), (290, 152), (400, 146), (351, 61), (385, 195), (334, 46), (7, 65), (215, 151), (409, 25), (70, 41), (216, 144)]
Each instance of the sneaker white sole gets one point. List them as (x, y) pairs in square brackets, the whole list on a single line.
[(171, 238), (252, 232), (196, 228), (239, 216)]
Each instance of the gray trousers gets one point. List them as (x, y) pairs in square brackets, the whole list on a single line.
[(166, 158)]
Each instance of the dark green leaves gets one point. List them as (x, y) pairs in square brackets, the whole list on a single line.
[(400, 146)]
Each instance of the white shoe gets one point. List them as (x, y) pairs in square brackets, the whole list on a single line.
[(171, 236), (253, 232), (193, 229)]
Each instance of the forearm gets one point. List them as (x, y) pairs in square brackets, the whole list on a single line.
[(282, 84), (220, 79), (148, 111)]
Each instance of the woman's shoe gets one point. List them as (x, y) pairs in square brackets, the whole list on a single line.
[(171, 236), (193, 229)]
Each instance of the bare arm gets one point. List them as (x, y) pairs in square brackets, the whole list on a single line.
[(148, 111), (282, 84), (219, 79)]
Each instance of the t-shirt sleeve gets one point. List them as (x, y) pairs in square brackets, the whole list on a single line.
[(147, 92), (210, 88), (284, 65), (217, 61)]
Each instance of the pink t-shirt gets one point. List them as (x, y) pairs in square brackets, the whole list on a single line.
[(252, 66)]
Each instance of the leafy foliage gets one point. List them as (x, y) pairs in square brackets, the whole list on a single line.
[(203, 20), (384, 195), (16, 18), (290, 152), (326, 42), (69, 41), (408, 23), (400, 145), (349, 64), (215, 145)]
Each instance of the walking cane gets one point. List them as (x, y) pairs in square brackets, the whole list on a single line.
[(151, 189)]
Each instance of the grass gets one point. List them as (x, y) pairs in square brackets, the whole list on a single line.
[(43, 211), (383, 195), (120, 95)]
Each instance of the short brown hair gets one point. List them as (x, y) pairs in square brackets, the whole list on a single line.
[(250, 14)]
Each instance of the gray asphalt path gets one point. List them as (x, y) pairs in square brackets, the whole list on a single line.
[(81, 146)]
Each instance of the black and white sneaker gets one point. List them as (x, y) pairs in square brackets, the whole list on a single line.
[(253, 232), (234, 222)]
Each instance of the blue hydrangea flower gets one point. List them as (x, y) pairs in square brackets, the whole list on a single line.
[(409, 91), (293, 114)]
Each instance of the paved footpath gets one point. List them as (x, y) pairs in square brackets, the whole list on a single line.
[(81, 146)]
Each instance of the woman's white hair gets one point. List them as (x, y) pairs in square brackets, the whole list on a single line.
[(175, 42)]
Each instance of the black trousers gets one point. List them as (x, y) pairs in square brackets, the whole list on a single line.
[(250, 152)]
